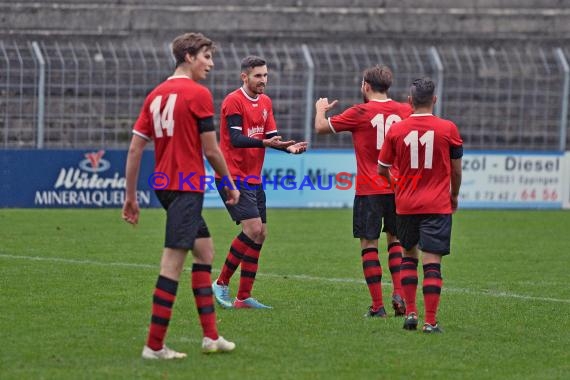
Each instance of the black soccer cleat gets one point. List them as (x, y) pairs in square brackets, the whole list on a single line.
[(399, 305), (411, 322), (429, 329), (380, 313)]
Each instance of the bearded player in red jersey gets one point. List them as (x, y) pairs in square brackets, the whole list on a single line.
[(374, 201), (247, 128), (178, 116), (429, 149)]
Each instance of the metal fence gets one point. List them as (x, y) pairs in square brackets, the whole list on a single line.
[(78, 95)]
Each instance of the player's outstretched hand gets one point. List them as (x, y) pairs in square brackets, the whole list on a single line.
[(298, 148), (276, 142), (131, 211), (232, 196)]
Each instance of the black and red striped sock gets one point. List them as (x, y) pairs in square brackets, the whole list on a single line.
[(202, 288), (233, 260), (373, 276), (394, 262), (409, 279), (162, 302), (249, 267), (432, 291)]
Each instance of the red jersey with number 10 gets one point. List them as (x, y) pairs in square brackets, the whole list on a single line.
[(369, 122), (257, 121), (169, 117), (420, 148)]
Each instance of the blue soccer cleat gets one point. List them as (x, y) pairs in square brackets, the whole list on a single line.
[(222, 295), (250, 303)]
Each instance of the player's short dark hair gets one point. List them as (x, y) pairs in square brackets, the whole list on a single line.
[(190, 43), (421, 91), (378, 77), (250, 62)]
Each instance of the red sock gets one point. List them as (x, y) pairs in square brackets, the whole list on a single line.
[(432, 290), (235, 255), (394, 262), (202, 288), (409, 278), (162, 302), (249, 266), (373, 276)]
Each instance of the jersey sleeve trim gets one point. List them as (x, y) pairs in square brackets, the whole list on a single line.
[(206, 124), (384, 164), (139, 134), (330, 125), (456, 152)]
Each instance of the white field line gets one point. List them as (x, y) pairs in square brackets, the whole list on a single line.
[(301, 277)]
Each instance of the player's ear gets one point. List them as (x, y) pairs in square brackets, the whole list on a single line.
[(410, 101), (189, 58), (434, 99), (243, 76)]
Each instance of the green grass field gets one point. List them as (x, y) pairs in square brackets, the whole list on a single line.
[(76, 286)]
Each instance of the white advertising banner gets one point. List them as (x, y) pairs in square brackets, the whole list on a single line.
[(513, 180)]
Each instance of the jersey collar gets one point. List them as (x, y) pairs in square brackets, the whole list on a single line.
[(178, 77), (247, 96)]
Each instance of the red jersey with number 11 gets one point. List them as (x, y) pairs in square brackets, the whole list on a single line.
[(420, 147)]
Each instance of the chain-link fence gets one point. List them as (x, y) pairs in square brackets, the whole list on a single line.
[(77, 95)]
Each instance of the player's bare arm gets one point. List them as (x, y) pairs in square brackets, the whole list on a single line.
[(321, 122), (384, 171), (456, 174), (216, 159), (131, 210)]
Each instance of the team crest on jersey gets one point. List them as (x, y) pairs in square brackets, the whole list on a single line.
[(265, 115)]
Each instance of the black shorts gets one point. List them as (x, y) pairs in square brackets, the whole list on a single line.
[(251, 202), (184, 222), (368, 213), (431, 232)]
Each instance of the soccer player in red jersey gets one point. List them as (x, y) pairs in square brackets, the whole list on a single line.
[(178, 117), (428, 149), (374, 200), (247, 128)]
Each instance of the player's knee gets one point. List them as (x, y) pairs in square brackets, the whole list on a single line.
[(254, 231), (262, 235)]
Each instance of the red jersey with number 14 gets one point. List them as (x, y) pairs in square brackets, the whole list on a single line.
[(369, 122), (169, 117), (257, 121), (420, 148)]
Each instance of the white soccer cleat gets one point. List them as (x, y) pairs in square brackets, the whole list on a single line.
[(165, 353), (210, 346)]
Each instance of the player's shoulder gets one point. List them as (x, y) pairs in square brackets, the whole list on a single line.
[(234, 97), (264, 98), (446, 123), (361, 108), (201, 89), (405, 108)]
